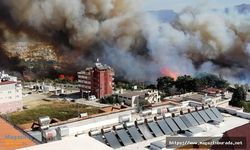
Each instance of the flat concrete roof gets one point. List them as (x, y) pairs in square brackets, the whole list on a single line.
[(86, 142), (74, 143), (209, 130), (197, 97), (132, 93)]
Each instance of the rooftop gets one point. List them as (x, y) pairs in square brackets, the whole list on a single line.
[(244, 131), (132, 93), (197, 97), (212, 90), (76, 143), (209, 130), (7, 82), (84, 141), (164, 103), (11, 138)]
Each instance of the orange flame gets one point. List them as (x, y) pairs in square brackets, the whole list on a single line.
[(167, 72)]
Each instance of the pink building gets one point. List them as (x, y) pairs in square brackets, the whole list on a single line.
[(10, 94)]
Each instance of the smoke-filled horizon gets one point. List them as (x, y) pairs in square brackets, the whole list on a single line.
[(135, 43)]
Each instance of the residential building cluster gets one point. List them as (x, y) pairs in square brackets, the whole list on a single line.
[(123, 126)]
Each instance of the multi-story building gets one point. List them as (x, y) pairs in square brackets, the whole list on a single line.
[(10, 94), (97, 80)]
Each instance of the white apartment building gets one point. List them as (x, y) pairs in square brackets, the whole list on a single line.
[(10, 94), (132, 98)]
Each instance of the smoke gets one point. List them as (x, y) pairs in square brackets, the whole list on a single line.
[(220, 39), (135, 43), (197, 41)]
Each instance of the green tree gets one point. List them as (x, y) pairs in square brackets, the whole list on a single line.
[(210, 80), (151, 86), (109, 100), (239, 96), (164, 84), (185, 84), (142, 104)]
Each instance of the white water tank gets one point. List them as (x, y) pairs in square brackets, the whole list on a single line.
[(49, 135), (124, 118), (83, 115), (146, 112), (44, 122)]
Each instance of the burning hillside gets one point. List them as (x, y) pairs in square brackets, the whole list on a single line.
[(135, 43), (33, 51)]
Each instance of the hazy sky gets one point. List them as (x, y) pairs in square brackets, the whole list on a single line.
[(178, 5)]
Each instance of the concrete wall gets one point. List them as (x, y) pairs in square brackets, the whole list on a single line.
[(243, 115), (235, 111), (10, 107), (230, 110), (84, 126), (215, 100), (10, 98), (10, 93), (224, 103), (181, 95)]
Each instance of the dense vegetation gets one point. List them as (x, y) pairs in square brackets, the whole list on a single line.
[(168, 86), (121, 83), (239, 98), (109, 100), (183, 84)]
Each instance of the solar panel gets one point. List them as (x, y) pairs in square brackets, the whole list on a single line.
[(135, 134), (186, 121), (198, 117), (191, 119), (172, 125), (180, 123), (145, 131), (123, 135), (217, 113), (99, 138), (211, 115), (155, 128), (164, 127), (204, 115), (112, 140), (195, 130)]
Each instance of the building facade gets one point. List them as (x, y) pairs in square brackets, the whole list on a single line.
[(97, 80), (10, 94), (132, 98)]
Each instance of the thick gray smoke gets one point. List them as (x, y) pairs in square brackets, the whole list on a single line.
[(79, 28), (197, 41), (135, 43)]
